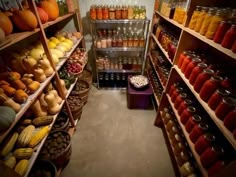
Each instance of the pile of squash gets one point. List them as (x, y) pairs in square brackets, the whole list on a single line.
[(25, 19)]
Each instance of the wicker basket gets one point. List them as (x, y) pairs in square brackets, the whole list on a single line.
[(82, 93), (76, 110), (87, 76)]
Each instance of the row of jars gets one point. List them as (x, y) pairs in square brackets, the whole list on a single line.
[(211, 86), (105, 32), (126, 63), (215, 23), (167, 40), (105, 12), (200, 131), (178, 142), (157, 88), (120, 41), (118, 80)]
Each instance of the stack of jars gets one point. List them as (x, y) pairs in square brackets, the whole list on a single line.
[(157, 88), (211, 154), (178, 143), (215, 23), (167, 40), (105, 12), (211, 84)]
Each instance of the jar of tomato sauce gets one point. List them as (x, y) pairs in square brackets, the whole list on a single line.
[(183, 105), (203, 142), (202, 78), (105, 13), (93, 12), (216, 98), (176, 92), (99, 12), (192, 121), (215, 167), (209, 87), (173, 87), (179, 99), (186, 61), (230, 120), (229, 37), (221, 31), (234, 47), (181, 58), (190, 67), (196, 71), (187, 113), (226, 105), (197, 131), (211, 155)]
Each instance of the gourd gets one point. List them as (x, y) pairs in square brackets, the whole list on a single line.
[(57, 97), (36, 53), (13, 76), (53, 106), (39, 75), (27, 79), (33, 87), (29, 64), (42, 100), (38, 110), (45, 65), (7, 148), (63, 86), (50, 8), (23, 153), (41, 121), (25, 136), (26, 122), (5, 23), (21, 167), (20, 96), (42, 15), (18, 84), (7, 116), (9, 102), (8, 90), (10, 161), (38, 136)]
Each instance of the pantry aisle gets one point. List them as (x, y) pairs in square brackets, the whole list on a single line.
[(114, 141)]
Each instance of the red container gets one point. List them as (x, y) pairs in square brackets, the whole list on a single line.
[(234, 47), (194, 120), (230, 120), (226, 105), (99, 12), (179, 99), (173, 87), (226, 83), (186, 61), (190, 67), (105, 13), (203, 142), (202, 78), (216, 98), (221, 31), (211, 155), (187, 113), (209, 87), (197, 131), (184, 105), (196, 71), (215, 168), (181, 58), (175, 93), (229, 37)]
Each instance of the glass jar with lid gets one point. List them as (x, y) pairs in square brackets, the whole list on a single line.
[(118, 13), (130, 12), (136, 40), (142, 12), (98, 43), (194, 17), (105, 13), (99, 12), (109, 42), (141, 40), (207, 20), (136, 12), (112, 13), (93, 13), (200, 19), (124, 12), (125, 40), (103, 43), (130, 40), (119, 41)]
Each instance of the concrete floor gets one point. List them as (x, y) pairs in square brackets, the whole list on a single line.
[(114, 141)]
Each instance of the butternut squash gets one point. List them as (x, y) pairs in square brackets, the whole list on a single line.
[(29, 64), (9, 102), (63, 85), (39, 75), (33, 87), (53, 106), (57, 97), (8, 90), (46, 66), (38, 110), (18, 84), (42, 101)]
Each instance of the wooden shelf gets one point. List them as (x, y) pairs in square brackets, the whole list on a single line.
[(211, 43), (191, 145), (228, 135), (113, 49), (162, 49), (118, 71), (170, 20), (120, 21)]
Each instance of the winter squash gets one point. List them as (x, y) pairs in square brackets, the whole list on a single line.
[(24, 20), (51, 9), (7, 117), (43, 15), (5, 23)]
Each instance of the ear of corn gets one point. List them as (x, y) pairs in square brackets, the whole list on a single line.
[(10, 162), (9, 144), (21, 167), (38, 136), (41, 121), (23, 153), (25, 136)]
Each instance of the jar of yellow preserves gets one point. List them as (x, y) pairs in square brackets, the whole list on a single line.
[(200, 19), (207, 21), (182, 13), (194, 17), (215, 22)]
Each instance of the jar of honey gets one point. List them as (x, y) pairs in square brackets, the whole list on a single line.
[(130, 12)]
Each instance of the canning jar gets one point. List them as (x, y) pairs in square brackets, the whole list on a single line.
[(164, 112), (209, 87), (229, 37), (192, 121), (211, 155), (190, 66), (125, 40), (182, 157), (197, 131), (99, 12), (186, 61), (141, 40), (179, 99), (98, 43), (183, 105), (187, 113), (196, 71), (124, 12), (142, 12), (176, 139), (172, 88), (136, 40), (130, 12), (167, 118), (105, 13), (130, 41), (103, 43), (215, 167), (169, 125), (172, 45), (186, 169), (118, 13), (202, 78), (207, 19), (203, 142), (216, 98), (109, 41), (120, 42), (200, 19), (93, 12), (181, 58), (226, 105), (178, 147), (112, 13), (114, 42), (230, 120), (234, 47), (194, 17), (221, 31), (136, 12), (174, 130), (176, 92)]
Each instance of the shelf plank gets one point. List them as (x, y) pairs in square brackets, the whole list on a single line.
[(211, 43), (162, 49), (229, 136), (191, 145), (121, 21), (118, 71), (113, 49)]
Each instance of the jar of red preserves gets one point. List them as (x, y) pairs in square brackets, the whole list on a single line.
[(216, 98), (230, 120), (176, 92), (186, 61), (215, 168), (211, 155), (124, 12), (221, 31), (173, 87), (203, 142), (202, 78), (209, 87), (99, 12), (229, 37), (179, 99), (93, 12), (226, 105), (187, 113), (105, 13), (118, 13), (196, 71), (197, 131), (192, 121), (190, 67), (183, 105), (181, 58), (234, 47)]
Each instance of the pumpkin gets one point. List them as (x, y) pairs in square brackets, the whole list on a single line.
[(24, 20), (50, 8), (42, 15), (7, 117), (5, 23)]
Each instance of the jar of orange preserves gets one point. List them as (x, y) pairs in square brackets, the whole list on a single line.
[(124, 12), (194, 17), (118, 13), (112, 13), (93, 12), (200, 19), (207, 21), (99, 12), (105, 13)]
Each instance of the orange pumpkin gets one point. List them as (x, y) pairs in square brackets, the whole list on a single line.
[(51, 9), (5, 23), (25, 20), (43, 15)]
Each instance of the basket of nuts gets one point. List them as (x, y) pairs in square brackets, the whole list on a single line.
[(139, 81)]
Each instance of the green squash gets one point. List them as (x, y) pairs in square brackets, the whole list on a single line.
[(7, 116)]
